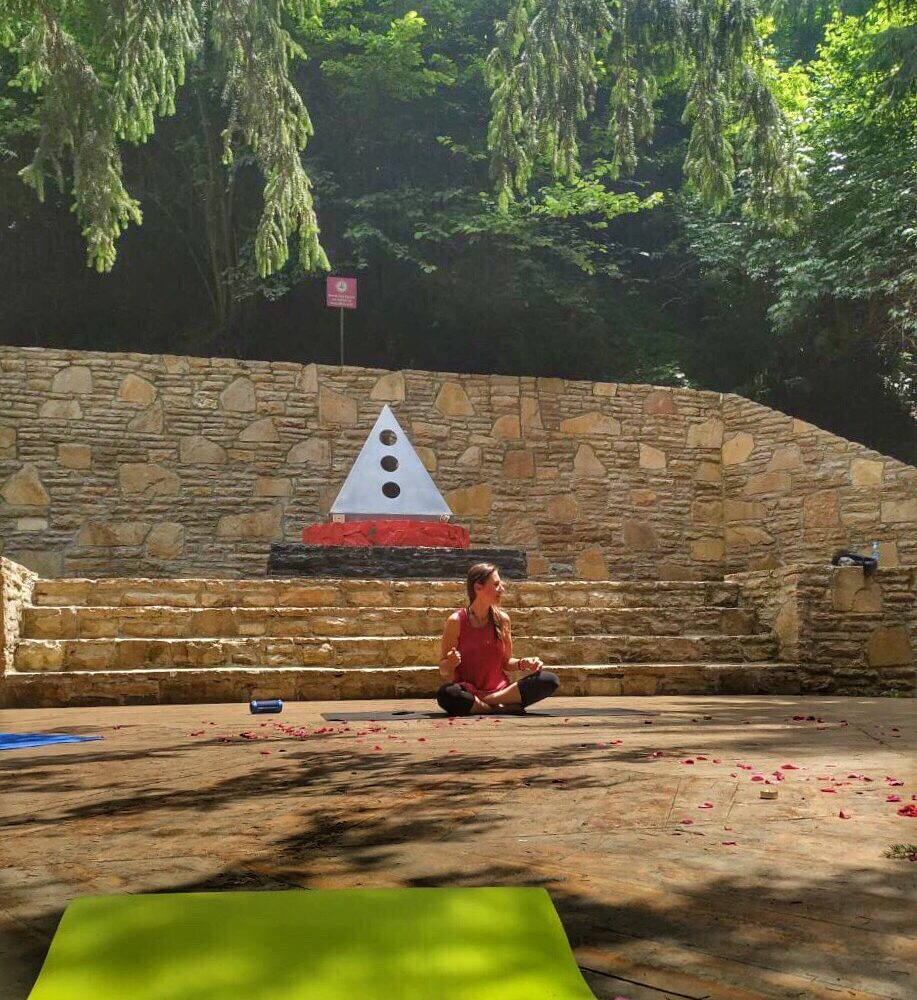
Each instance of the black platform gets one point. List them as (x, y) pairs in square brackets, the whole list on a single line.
[(292, 559)]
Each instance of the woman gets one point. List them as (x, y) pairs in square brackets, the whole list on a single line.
[(477, 650)]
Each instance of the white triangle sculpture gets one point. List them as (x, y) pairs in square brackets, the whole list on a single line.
[(389, 480)]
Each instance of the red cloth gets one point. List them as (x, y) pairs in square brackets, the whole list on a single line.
[(481, 670), (379, 531)]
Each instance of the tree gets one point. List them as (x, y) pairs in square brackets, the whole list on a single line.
[(107, 71), (553, 56)]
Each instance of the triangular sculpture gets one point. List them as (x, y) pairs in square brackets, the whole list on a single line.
[(388, 480)]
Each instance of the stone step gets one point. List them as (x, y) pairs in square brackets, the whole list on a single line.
[(239, 684), (344, 652), (129, 592), (151, 621)]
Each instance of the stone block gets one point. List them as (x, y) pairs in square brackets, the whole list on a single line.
[(7, 442), (538, 565), (519, 464), (707, 472), (785, 459), (591, 565), (264, 430), (25, 489), (470, 457), (453, 401), (517, 529), (137, 391), (307, 381), (315, 451), (651, 458), (643, 498), (746, 535), (31, 524), (471, 501), (737, 448), (852, 590), (239, 396), (270, 486), (708, 434), (707, 511), (149, 421), (899, 511), (605, 389), (660, 403), (112, 534), (890, 647), (427, 457), (137, 478), (76, 380), (563, 509), (389, 388), (865, 472), (743, 510), (640, 536), (821, 510), (165, 541), (592, 423), (506, 428), (530, 414), (708, 549), (262, 524), (768, 482), (60, 409), (198, 450), (335, 409), (586, 464)]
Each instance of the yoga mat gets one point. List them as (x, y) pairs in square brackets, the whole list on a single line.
[(555, 713), (329, 944), (19, 741)]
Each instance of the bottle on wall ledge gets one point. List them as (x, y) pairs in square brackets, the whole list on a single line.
[(875, 553)]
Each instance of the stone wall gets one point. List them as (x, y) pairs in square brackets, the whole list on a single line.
[(795, 493), (850, 632), (16, 584), (130, 464), (166, 466)]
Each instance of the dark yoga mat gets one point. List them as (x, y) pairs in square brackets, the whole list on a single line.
[(20, 741), (555, 713)]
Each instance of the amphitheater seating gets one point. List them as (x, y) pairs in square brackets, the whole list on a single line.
[(157, 640)]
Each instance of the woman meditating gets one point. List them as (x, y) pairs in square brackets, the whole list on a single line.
[(477, 650)]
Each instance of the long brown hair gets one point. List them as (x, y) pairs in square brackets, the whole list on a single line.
[(479, 574)]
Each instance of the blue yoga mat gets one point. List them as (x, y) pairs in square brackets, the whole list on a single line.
[(19, 741)]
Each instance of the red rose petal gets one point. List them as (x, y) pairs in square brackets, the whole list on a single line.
[(893, 782), (892, 798), (616, 743), (789, 767), (843, 815), (728, 843), (909, 810), (686, 822), (832, 791), (687, 760), (705, 805)]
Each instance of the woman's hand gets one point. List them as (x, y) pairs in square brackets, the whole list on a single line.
[(453, 658), (532, 663)]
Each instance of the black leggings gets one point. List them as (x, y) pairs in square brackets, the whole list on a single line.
[(453, 699)]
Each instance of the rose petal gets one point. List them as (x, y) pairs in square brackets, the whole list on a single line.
[(686, 822), (893, 782), (687, 760), (909, 810), (616, 743), (728, 843), (716, 760), (789, 767), (832, 791), (892, 798), (705, 805), (843, 815)]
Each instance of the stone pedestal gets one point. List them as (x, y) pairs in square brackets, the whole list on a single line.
[(293, 559)]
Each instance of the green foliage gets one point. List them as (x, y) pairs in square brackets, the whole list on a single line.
[(106, 73), (545, 72)]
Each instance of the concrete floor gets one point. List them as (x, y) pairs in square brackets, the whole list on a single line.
[(751, 899)]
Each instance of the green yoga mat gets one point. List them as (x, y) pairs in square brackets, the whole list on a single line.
[(337, 944)]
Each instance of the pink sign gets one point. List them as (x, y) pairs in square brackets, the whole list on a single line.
[(341, 293)]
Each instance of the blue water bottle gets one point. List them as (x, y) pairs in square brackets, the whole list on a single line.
[(265, 707)]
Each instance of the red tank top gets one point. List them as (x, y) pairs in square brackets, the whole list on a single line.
[(481, 670)]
